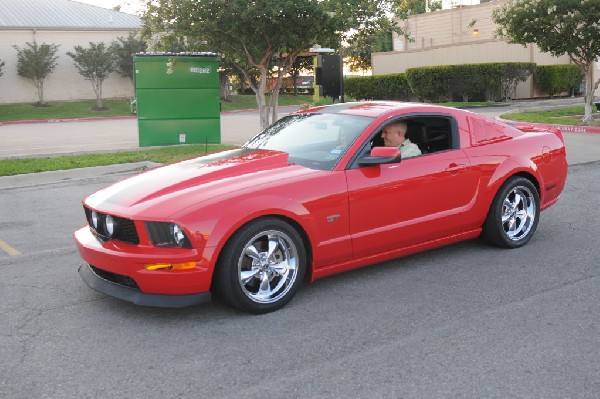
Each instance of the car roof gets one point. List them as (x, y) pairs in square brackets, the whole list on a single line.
[(374, 108)]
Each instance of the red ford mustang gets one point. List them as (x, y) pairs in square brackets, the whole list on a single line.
[(315, 194)]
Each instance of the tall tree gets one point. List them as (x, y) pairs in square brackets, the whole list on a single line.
[(265, 35), (360, 48), (94, 63), (124, 49), (261, 38), (299, 65), (363, 42), (405, 8), (557, 27), (35, 62)]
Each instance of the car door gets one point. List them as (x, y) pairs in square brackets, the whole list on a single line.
[(416, 200)]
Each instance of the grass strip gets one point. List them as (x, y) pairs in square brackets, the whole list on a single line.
[(10, 167), (118, 107), (474, 104), (560, 116), (63, 110), (242, 102)]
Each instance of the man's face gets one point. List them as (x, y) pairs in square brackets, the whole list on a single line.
[(393, 135)]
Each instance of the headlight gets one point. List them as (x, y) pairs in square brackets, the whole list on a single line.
[(109, 223), (163, 234), (178, 234), (95, 220)]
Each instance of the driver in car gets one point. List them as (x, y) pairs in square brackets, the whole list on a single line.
[(394, 135)]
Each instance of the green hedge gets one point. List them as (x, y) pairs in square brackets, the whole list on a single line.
[(433, 84), (556, 79), (487, 81), (381, 87), (360, 88), (445, 82)]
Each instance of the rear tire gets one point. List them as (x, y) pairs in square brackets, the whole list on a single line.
[(261, 266), (514, 214)]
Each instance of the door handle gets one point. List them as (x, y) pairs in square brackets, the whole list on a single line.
[(455, 168)]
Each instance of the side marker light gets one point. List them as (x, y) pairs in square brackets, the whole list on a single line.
[(170, 266)]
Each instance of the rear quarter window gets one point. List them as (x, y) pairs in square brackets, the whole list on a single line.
[(484, 131)]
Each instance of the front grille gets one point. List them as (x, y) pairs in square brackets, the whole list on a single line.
[(115, 278), (124, 228)]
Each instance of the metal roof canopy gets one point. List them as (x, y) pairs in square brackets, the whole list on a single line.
[(62, 15)]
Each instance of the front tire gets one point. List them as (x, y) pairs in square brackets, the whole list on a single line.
[(261, 266), (514, 214)]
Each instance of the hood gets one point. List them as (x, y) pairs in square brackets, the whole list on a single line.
[(161, 192)]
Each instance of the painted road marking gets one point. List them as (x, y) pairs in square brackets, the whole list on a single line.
[(8, 249)]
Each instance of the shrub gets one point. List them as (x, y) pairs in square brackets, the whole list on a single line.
[(443, 83), (380, 87), (440, 83), (512, 74), (94, 63), (556, 79), (35, 63), (468, 81), (433, 84), (360, 88), (393, 87)]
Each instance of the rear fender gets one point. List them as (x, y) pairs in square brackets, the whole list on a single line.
[(510, 167)]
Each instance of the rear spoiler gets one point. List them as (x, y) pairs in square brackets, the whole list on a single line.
[(526, 128)]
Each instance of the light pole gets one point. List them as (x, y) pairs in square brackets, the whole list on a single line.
[(317, 50)]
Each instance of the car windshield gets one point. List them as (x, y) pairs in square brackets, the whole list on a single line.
[(313, 140)]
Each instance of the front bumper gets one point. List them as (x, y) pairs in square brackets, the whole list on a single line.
[(119, 269), (131, 294)]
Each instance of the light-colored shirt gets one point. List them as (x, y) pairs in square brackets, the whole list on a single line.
[(409, 149)]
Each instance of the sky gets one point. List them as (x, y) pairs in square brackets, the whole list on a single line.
[(128, 6)]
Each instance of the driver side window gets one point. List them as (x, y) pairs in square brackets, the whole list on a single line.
[(428, 133)]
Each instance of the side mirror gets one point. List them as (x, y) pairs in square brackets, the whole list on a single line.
[(380, 156)]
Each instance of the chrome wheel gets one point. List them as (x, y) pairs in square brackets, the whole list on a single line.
[(518, 213), (513, 215), (268, 266)]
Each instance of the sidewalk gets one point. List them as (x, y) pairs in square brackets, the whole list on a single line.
[(110, 134)]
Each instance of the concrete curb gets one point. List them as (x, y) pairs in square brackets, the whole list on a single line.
[(562, 128), (41, 178), (243, 111), (87, 119)]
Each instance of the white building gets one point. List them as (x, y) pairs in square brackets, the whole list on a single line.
[(448, 4), (458, 35), (66, 23)]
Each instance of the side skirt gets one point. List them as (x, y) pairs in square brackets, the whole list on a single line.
[(392, 254)]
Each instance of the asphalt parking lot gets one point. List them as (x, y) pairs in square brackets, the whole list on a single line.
[(462, 321), (466, 320)]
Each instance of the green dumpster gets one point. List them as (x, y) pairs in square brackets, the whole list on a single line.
[(178, 98)]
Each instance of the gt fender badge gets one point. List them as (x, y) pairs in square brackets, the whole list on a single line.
[(332, 218)]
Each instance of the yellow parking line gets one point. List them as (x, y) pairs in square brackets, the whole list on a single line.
[(8, 249)]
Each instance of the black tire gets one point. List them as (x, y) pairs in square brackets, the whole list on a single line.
[(514, 214), (261, 266)]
